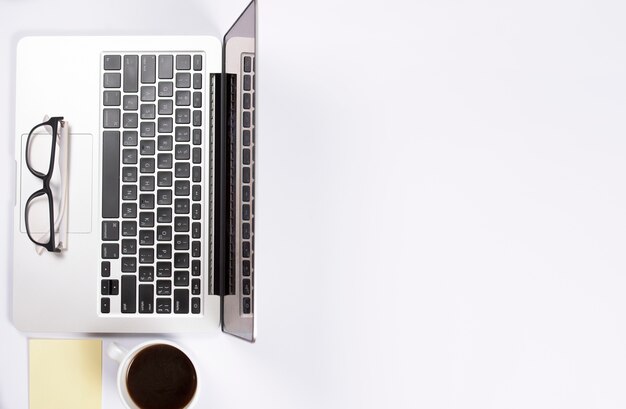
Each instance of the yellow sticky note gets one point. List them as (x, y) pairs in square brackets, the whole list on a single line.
[(65, 374)]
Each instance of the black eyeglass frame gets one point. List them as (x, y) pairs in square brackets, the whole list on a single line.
[(45, 177)]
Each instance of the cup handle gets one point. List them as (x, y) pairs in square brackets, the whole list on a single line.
[(116, 352)]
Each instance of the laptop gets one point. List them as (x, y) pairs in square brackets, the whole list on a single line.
[(135, 165)]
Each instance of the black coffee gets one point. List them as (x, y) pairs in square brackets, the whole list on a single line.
[(161, 377)]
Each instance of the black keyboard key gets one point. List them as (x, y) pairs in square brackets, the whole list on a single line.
[(197, 62), (129, 156), (129, 294), (148, 69), (196, 175), (165, 161), (110, 174), (164, 197), (164, 269), (183, 62), (129, 210), (245, 268), (247, 64), (147, 111), (183, 80), (130, 138), (130, 102), (166, 106), (110, 250), (245, 249), (146, 273), (148, 93), (197, 136), (182, 133), (146, 298), (196, 155), (197, 118), (131, 73), (110, 230), (181, 206), (165, 143), (181, 278), (247, 81), (181, 260), (146, 183), (245, 212), (146, 219), (146, 201), (246, 286), (247, 308), (105, 268), (195, 305), (245, 230), (109, 287), (195, 230), (183, 98), (246, 101), (164, 214), (196, 193), (128, 264), (112, 80), (181, 224), (195, 286), (181, 301), (245, 193), (111, 98), (183, 116), (164, 251), (246, 137), (129, 174), (246, 119), (164, 179), (166, 66), (181, 242), (147, 147), (129, 228), (147, 165), (195, 268), (164, 287), (182, 152), (165, 125), (146, 255), (166, 89), (105, 305), (113, 62), (182, 169), (130, 120), (129, 246), (147, 129), (197, 81), (245, 174), (195, 248), (164, 306), (195, 211), (246, 156), (182, 188), (197, 99), (146, 237), (164, 233)]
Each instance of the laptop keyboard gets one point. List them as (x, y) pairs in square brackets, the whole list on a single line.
[(153, 169), (247, 182)]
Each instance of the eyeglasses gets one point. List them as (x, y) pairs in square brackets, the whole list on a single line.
[(46, 142)]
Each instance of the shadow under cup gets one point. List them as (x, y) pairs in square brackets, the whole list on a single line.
[(161, 376)]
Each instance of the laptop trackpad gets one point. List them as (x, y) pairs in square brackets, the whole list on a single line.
[(80, 189)]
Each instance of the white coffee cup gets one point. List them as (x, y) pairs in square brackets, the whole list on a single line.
[(125, 358)]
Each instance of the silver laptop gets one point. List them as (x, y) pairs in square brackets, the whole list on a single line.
[(134, 207)]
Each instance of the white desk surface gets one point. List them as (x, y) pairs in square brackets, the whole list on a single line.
[(441, 202)]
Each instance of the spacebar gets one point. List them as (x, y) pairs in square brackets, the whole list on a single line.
[(110, 174)]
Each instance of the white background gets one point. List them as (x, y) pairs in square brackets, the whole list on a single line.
[(441, 202)]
